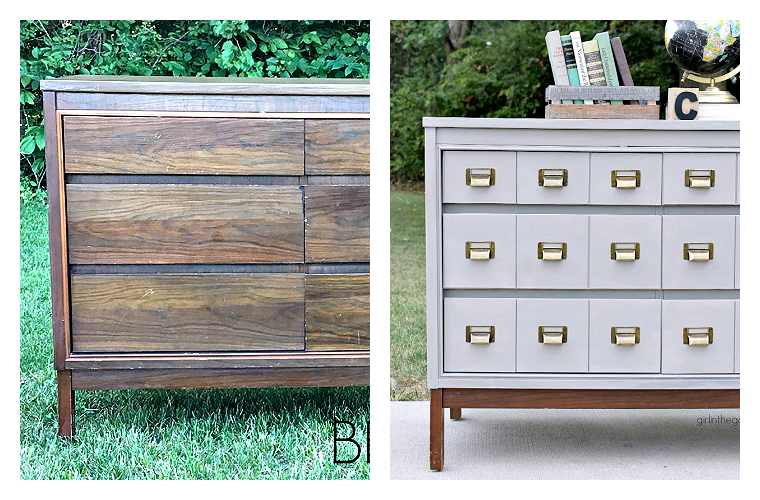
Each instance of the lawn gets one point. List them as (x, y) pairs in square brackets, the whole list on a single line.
[(408, 347), (170, 434)]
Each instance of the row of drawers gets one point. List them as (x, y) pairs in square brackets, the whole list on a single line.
[(575, 178), (502, 335), (570, 251)]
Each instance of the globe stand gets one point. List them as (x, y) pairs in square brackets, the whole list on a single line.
[(713, 94)]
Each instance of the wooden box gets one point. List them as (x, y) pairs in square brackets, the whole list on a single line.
[(207, 232)]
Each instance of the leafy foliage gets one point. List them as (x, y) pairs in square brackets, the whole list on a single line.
[(501, 70), (283, 49)]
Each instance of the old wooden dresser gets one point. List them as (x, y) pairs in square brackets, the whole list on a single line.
[(207, 232), (581, 264)]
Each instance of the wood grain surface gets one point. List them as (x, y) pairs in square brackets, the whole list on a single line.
[(179, 313), (156, 145), (337, 223), (337, 312), (337, 147), (165, 224)]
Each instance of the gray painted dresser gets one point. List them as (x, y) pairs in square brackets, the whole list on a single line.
[(581, 264)]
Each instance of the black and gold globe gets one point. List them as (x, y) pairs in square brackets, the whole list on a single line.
[(703, 48)]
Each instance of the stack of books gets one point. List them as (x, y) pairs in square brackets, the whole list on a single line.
[(591, 73)]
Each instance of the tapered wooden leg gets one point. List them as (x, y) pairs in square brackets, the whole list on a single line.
[(436, 429), (65, 405), (455, 413)]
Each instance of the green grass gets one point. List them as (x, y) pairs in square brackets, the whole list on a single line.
[(408, 347), (170, 434)]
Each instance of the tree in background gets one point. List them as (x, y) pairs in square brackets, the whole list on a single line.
[(494, 69), (303, 49)]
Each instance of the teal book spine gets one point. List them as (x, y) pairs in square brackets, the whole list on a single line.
[(608, 62), (572, 69)]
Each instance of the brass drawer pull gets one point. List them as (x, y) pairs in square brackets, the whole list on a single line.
[(699, 178), (698, 252), (625, 335), (552, 177), (552, 251), (480, 334), (554, 335), (625, 251), (480, 177), (698, 335), (480, 250), (626, 179)]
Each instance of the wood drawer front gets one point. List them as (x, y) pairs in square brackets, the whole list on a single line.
[(530, 192), (337, 312), (570, 272), (568, 357), (608, 357), (678, 357), (675, 191), (646, 166), (337, 146), (501, 188), (644, 271), (459, 271), (337, 223), (187, 312), (716, 273), (192, 145), (459, 355), (159, 224)]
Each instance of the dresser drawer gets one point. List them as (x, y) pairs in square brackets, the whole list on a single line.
[(699, 179), (710, 239), (490, 345), (552, 251), (697, 316), (479, 177), (626, 178), (337, 312), (337, 147), (552, 335), (187, 145), (737, 248), (737, 337), (187, 312), (552, 178), (624, 336), (337, 223), (479, 250), (624, 251), (172, 223)]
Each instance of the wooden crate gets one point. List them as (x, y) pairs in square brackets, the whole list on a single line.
[(644, 102)]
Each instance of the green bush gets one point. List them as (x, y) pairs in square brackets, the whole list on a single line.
[(500, 70), (298, 49)]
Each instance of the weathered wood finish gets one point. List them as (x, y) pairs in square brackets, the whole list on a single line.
[(183, 379), (602, 111), (337, 223), (204, 312), (165, 224), (65, 404), (159, 145), (337, 312), (337, 147)]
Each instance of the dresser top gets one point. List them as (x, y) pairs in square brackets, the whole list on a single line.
[(208, 85), (566, 124)]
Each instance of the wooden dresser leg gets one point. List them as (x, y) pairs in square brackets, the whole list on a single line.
[(436, 429), (65, 405), (455, 413)]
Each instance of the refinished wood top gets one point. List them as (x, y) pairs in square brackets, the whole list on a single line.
[(207, 85)]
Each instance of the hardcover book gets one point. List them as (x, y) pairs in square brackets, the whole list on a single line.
[(572, 68), (557, 60), (608, 62), (594, 66), (622, 64), (580, 61)]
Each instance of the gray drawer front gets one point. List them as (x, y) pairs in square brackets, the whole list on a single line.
[(642, 272), (608, 357), (678, 357), (530, 192), (717, 273), (461, 272), (455, 165), (571, 272), (736, 339), (736, 254), (569, 357), (649, 167), (674, 190), (461, 356)]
